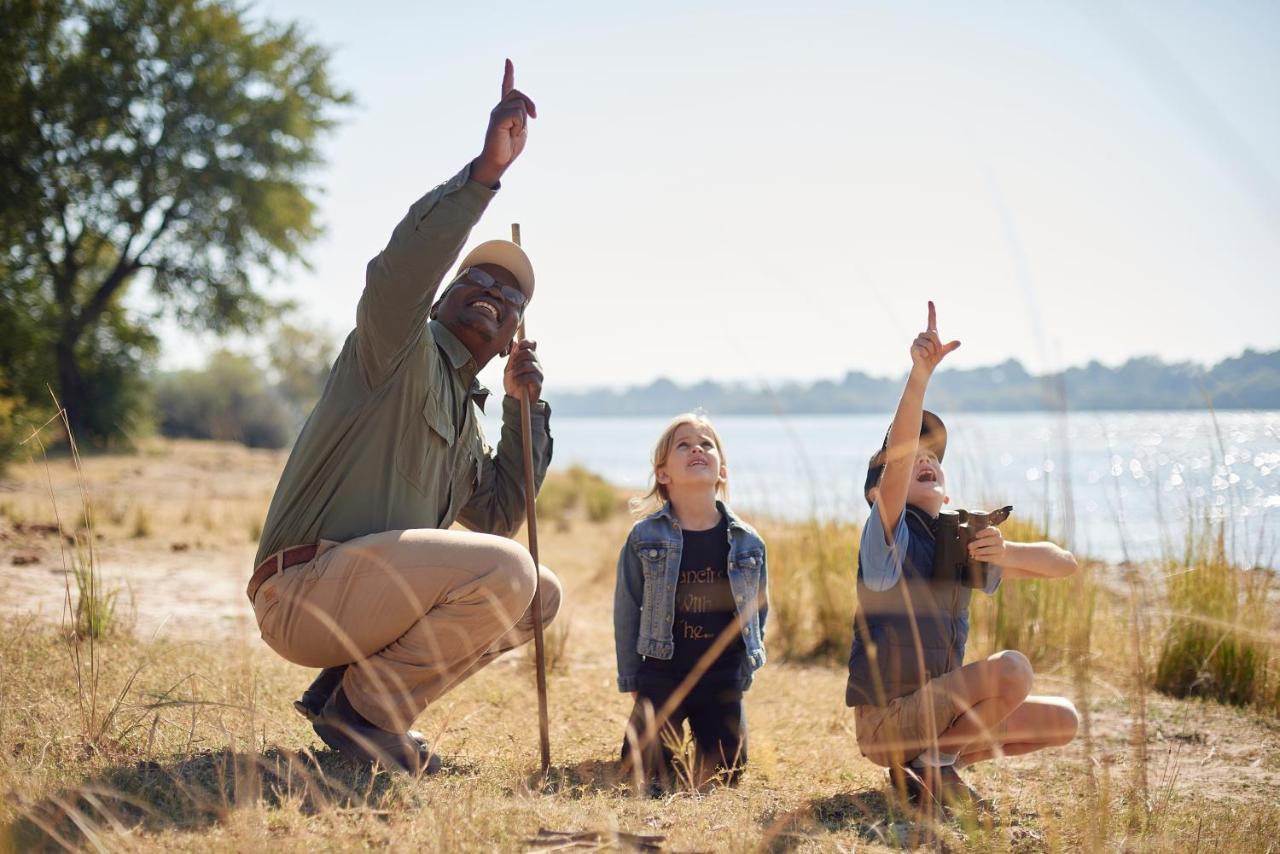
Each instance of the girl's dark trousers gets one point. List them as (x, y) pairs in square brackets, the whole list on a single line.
[(715, 717)]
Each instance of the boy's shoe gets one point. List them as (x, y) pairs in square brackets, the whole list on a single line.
[(955, 793), (922, 788), (908, 783), (346, 731)]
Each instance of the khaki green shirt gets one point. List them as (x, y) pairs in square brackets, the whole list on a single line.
[(395, 442)]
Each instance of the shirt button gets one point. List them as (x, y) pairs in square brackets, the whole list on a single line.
[(653, 552)]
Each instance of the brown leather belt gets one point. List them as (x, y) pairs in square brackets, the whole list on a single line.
[(279, 562)]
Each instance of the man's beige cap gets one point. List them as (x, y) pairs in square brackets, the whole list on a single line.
[(506, 255)]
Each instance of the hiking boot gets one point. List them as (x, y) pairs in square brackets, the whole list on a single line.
[(347, 731), (314, 698), (319, 692)]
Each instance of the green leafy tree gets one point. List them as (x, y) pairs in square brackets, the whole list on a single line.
[(155, 143)]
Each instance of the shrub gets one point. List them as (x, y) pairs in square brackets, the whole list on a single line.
[(599, 498), (95, 606), (560, 494), (17, 419), (556, 497), (1210, 648), (228, 400)]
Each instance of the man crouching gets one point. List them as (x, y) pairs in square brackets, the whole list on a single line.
[(357, 571)]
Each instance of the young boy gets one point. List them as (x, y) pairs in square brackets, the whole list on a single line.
[(918, 711)]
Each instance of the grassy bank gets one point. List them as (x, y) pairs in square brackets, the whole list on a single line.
[(177, 734)]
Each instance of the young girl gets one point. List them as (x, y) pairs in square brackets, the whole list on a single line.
[(689, 611)]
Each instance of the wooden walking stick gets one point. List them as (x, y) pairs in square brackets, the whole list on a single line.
[(539, 649)]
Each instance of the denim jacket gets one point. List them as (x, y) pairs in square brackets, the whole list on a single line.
[(644, 598)]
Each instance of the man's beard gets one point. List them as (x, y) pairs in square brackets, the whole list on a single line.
[(481, 330)]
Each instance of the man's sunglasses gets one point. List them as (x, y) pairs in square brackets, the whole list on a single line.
[(479, 278)]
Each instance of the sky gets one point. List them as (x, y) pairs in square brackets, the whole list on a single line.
[(743, 191)]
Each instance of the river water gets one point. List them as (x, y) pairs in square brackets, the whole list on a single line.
[(1115, 485)]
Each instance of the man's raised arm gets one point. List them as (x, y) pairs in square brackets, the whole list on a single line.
[(401, 282)]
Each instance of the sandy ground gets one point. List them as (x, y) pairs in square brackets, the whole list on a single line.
[(175, 533)]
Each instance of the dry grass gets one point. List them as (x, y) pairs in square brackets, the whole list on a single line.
[(193, 746), (812, 596), (1217, 644)]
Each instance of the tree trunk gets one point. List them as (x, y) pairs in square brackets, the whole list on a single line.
[(71, 392)]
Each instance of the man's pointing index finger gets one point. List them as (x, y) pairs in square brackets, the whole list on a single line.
[(933, 318), (508, 78)]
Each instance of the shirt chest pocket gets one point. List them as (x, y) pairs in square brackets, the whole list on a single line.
[(426, 453)]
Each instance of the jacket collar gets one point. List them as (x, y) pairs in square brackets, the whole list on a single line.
[(665, 512)]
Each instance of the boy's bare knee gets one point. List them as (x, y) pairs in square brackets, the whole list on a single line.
[(1015, 674), (1068, 723)]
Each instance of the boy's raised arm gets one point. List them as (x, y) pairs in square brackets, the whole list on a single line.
[(927, 351)]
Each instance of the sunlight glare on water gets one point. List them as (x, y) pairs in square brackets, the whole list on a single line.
[(1132, 480)]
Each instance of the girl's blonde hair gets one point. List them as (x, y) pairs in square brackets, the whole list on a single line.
[(657, 494)]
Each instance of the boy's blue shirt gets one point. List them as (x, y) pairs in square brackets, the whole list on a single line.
[(644, 598), (882, 561)]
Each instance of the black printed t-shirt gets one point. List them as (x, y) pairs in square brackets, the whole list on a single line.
[(704, 609)]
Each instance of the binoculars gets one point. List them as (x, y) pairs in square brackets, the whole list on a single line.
[(952, 534)]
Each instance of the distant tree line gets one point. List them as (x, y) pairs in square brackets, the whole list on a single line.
[(257, 401), (1248, 381)]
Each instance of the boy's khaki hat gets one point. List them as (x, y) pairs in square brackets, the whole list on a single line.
[(933, 435)]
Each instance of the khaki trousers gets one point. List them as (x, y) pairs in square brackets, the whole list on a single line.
[(414, 612)]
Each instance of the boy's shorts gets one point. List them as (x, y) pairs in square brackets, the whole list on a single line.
[(896, 733)]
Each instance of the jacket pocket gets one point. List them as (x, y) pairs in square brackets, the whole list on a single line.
[(658, 603)]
